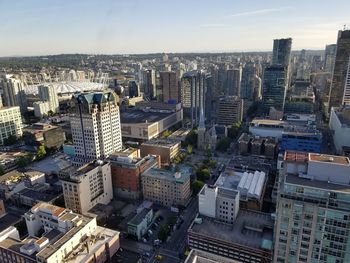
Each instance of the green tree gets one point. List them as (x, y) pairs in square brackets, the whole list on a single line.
[(2, 169), (191, 138), (23, 161), (166, 134), (163, 232), (233, 131), (50, 113), (171, 221), (212, 163), (11, 140), (203, 174), (223, 144), (41, 152), (197, 186), (189, 149)]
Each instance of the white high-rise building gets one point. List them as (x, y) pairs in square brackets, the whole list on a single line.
[(95, 124), (13, 93), (48, 93), (10, 123)]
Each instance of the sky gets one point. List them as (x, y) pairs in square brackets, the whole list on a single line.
[(46, 27)]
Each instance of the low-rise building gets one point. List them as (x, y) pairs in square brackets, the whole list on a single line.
[(308, 140), (165, 187), (41, 108), (248, 239), (339, 123), (126, 171), (50, 136), (140, 223), (229, 110), (57, 234), (86, 186), (267, 128), (167, 149), (148, 120), (198, 256), (219, 202)]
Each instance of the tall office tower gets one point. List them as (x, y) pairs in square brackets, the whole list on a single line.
[(214, 72), (247, 85), (257, 88), (233, 82), (86, 186), (95, 124), (222, 76), (192, 89), (209, 98), (313, 212), (282, 51), (134, 90), (274, 87), (14, 94), (340, 69), (329, 57), (10, 123), (230, 110), (48, 93), (169, 86), (149, 83), (346, 96)]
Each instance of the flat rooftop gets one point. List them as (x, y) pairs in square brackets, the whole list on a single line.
[(251, 229), (162, 142), (198, 256), (295, 179), (139, 116), (268, 122), (295, 156), (167, 175), (138, 218)]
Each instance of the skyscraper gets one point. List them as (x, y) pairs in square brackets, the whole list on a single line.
[(192, 89), (149, 83), (134, 90), (312, 213), (282, 51), (340, 69), (230, 110), (247, 85), (14, 94), (329, 57), (169, 86), (95, 124), (274, 87), (346, 96), (10, 123), (233, 82), (48, 93)]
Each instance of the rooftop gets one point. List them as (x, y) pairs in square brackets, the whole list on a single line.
[(168, 175), (169, 142), (251, 229), (139, 116), (257, 122), (198, 256), (138, 218), (294, 156)]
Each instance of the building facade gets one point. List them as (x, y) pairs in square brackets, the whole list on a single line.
[(233, 82), (329, 57), (10, 123), (13, 93), (281, 53), (95, 125), (126, 174), (87, 186), (274, 87), (340, 69), (169, 86), (165, 187), (167, 149), (305, 141), (48, 93), (339, 123), (312, 219), (229, 110)]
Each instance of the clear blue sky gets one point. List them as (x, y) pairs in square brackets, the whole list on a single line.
[(39, 27)]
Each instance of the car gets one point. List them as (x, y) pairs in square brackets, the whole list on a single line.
[(147, 254), (159, 257)]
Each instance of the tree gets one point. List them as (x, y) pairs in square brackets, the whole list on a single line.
[(11, 140), (23, 161), (197, 186), (163, 232), (50, 113), (203, 174), (166, 134), (212, 163), (189, 149), (41, 152), (191, 138), (2, 169), (223, 144), (233, 131)]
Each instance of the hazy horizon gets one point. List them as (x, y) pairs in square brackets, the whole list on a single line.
[(40, 28)]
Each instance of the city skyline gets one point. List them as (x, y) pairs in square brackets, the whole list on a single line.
[(132, 27)]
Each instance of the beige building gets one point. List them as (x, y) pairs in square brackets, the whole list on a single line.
[(165, 187), (95, 125), (41, 108), (56, 235), (10, 123), (86, 186), (167, 149), (230, 110)]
